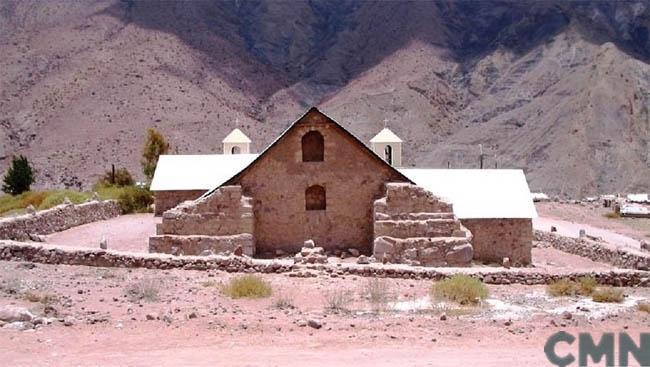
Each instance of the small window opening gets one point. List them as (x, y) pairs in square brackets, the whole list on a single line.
[(388, 154), (313, 147), (315, 198), (235, 150)]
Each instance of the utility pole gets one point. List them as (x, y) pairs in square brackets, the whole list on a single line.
[(481, 156), (113, 174)]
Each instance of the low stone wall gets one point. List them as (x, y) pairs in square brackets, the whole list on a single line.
[(220, 222), (241, 244), (165, 200), (48, 254), (495, 239), (56, 219), (621, 257)]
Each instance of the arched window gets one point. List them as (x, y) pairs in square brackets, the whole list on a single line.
[(235, 150), (388, 154), (315, 198), (312, 147)]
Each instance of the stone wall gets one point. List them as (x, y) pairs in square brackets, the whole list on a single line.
[(622, 257), (165, 200), (220, 222), (56, 219), (413, 226), (352, 176), (496, 239), (48, 254)]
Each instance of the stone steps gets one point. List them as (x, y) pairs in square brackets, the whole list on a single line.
[(442, 227)]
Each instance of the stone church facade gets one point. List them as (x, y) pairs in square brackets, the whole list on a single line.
[(318, 182)]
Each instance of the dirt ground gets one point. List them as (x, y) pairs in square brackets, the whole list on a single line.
[(138, 317)]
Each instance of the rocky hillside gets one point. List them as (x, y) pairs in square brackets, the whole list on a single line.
[(560, 89)]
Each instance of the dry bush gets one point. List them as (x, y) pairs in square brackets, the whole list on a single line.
[(247, 286), (643, 307), (338, 301), (144, 290), (461, 289), (209, 283), (608, 295), (612, 215), (283, 302), (584, 286), (44, 298), (378, 293)]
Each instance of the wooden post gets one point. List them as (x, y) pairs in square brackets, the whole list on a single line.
[(112, 174)]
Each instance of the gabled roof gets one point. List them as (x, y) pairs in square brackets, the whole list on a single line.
[(197, 172), (312, 110), (479, 193), (386, 136), (236, 136)]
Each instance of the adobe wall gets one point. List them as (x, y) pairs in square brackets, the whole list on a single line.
[(165, 200), (352, 177), (219, 223), (495, 239), (57, 219)]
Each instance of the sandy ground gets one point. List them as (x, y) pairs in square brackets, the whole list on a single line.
[(194, 324), (125, 233)]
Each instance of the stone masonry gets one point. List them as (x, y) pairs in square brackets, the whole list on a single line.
[(219, 223), (495, 239), (56, 219), (413, 226), (165, 200)]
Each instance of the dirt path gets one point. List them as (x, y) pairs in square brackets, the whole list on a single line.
[(571, 229)]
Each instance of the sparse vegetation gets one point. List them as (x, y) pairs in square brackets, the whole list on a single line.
[(135, 200), (461, 289), (283, 302), (644, 307), (19, 176), (378, 293), (584, 286), (154, 146), (612, 215), (120, 177), (208, 283), (43, 298), (608, 295), (143, 290), (338, 301), (247, 286)]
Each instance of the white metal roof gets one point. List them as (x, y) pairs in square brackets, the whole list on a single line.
[(197, 172), (236, 136), (386, 136), (479, 193)]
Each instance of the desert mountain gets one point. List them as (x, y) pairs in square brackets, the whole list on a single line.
[(560, 89)]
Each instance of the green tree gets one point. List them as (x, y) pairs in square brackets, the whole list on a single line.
[(19, 177), (153, 148), (119, 177)]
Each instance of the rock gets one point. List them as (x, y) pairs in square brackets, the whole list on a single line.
[(301, 323), (151, 316), (279, 253), (506, 262), (239, 251), (553, 229), (460, 255), (103, 243), (95, 196), (30, 209), (309, 244), (206, 253), (26, 265), (363, 259), (15, 313), (192, 315), (69, 321), (67, 201), (354, 252), (443, 317), (19, 325), (582, 233), (315, 323), (567, 315), (507, 323), (645, 245)]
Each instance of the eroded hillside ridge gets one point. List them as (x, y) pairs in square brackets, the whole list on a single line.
[(560, 89)]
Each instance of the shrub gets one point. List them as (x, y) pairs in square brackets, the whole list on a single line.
[(247, 286), (608, 295), (44, 298), (135, 200), (584, 286), (19, 177), (338, 301), (612, 215), (461, 289), (145, 289), (283, 302), (121, 178), (378, 293), (644, 307), (154, 146)]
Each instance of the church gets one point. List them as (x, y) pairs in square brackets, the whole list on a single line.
[(318, 182)]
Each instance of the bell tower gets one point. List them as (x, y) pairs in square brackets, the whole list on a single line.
[(388, 146), (236, 143)]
